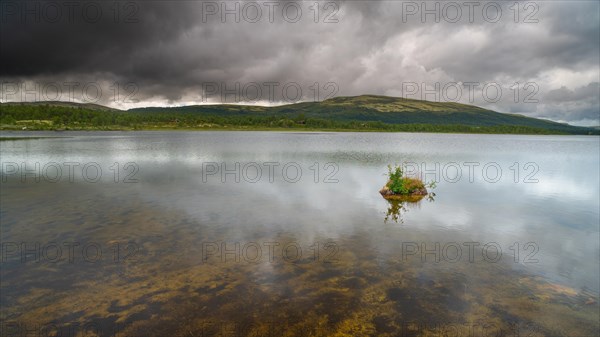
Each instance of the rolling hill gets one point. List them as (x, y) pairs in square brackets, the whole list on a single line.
[(366, 112)]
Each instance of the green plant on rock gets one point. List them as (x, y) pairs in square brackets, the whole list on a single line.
[(396, 180), (399, 184)]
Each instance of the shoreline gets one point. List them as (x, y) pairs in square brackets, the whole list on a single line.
[(291, 130)]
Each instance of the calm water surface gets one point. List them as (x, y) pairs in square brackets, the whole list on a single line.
[(170, 238)]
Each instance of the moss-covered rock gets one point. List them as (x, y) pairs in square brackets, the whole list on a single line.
[(415, 190)]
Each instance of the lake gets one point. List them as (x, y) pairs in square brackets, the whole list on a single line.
[(285, 234)]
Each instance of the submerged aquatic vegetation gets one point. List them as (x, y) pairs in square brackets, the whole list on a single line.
[(369, 290)]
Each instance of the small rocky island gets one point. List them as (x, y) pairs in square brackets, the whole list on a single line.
[(399, 187)]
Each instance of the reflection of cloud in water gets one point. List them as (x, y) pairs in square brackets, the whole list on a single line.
[(171, 209)]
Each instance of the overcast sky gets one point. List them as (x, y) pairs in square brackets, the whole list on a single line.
[(537, 58)]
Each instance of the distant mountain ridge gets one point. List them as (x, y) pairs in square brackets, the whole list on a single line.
[(386, 109), (370, 110), (91, 106)]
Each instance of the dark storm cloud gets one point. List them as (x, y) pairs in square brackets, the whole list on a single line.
[(172, 49), (86, 38)]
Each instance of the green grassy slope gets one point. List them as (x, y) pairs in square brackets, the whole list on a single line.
[(366, 112), (389, 110)]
